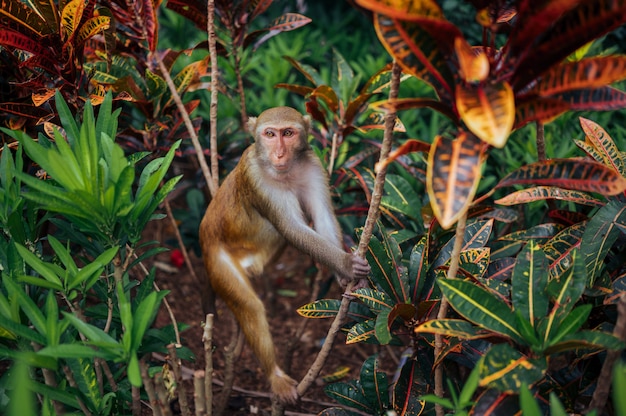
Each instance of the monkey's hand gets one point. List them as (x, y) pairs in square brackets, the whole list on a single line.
[(358, 271)]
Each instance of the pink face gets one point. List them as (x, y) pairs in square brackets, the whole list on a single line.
[(281, 144)]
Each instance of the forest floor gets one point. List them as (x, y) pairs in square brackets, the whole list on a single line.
[(290, 280)]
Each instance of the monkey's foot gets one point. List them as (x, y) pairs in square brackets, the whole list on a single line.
[(284, 387)]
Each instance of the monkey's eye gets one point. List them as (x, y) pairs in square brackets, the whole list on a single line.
[(269, 133), (288, 133)]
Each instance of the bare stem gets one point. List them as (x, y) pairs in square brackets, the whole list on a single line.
[(149, 386), (370, 222), (213, 108), (333, 153), (188, 124), (178, 375), (541, 142), (443, 306), (232, 352), (207, 339)]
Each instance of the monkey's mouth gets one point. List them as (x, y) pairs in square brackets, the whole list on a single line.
[(281, 167)]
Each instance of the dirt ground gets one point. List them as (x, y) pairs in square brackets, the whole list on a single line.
[(288, 279)]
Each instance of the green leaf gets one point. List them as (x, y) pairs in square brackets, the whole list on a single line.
[(324, 308), (619, 385), (73, 350), (362, 332), (95, 335), (27, 305), (476, 236), (600, 235), (375, 300), (480, 307), (374, 384), (144, 315), (529, 282), (529, 405), (572, 322), (566, 291), (401, 197), (67, 118), (586, 340), (507, 370), (85, 377), (349, 394), (23, 331), (45, 270), (93, 269), (449, 327), (418, 268), (382, 327), (30, 358), (133, 371)]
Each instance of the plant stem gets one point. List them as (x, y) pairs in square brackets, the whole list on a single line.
[(601, 394), (541, 142), (207, 339), (213, 109), (188, 124), (443, 306), (370, 222)]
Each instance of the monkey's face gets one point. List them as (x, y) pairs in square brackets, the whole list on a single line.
[(282, 145)]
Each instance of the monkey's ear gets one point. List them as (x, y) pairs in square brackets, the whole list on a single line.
[(252, 125), (307, 123)]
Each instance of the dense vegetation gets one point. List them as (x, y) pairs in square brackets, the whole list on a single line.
[(499, 271)]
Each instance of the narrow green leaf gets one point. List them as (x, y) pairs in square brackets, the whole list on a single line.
[(572, 322), (480, 307), (39, 266), (600, 235), (133, 371), (144, 315), (450, 328), (586, 340), (94, 334), (94, 268), (529, 405), (529, 282), (63, 254), (382, 327), (28, 306), (67, 118), (85, 377)]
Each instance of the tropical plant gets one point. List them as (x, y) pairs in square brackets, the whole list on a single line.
[(520, 297), (70, 310), (520, 74)]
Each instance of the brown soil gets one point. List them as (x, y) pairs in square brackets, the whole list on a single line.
[(288, 279)]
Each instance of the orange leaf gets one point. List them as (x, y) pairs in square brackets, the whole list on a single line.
[(473, 62), (488, 111), (410, 146), (575, 174), (452, 176), (606, 149), (586, 73)]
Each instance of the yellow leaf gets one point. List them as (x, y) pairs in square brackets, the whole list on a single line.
[(487, 110)]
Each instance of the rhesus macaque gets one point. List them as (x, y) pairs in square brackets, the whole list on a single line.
[(277, 189)]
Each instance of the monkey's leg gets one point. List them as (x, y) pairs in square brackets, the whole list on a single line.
[(249, 310)]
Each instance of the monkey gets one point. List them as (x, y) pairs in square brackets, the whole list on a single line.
[(277, 189)]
